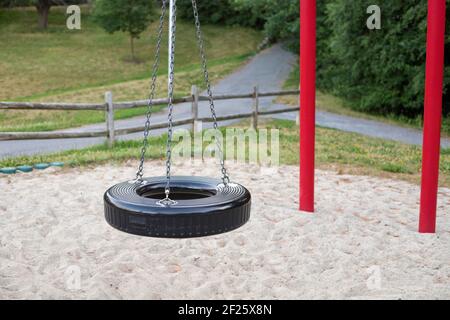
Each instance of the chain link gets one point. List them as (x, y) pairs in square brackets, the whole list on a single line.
[(139, 173), (225, 176), (167, 200)]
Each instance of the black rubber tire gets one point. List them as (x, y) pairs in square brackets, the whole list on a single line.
[(204, 207)]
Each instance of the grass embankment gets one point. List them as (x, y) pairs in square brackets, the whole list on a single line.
[(330, 103), (61, 65), (342, 151)]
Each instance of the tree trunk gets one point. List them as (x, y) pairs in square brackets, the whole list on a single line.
[(43, 8), (133, 58)]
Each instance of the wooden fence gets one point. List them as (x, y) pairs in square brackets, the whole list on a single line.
[(109, 106)]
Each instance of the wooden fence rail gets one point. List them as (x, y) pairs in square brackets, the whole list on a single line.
[(109, 107), (50, 106)]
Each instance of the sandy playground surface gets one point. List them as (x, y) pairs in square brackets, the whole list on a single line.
[(361, 243)]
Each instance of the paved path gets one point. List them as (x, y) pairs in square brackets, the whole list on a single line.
[(268, 70), (369, 128), (373, 128)]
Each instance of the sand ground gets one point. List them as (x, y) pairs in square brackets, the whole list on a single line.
[(360, 243)]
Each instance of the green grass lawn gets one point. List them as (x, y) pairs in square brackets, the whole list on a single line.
[(330, 103), (341, 151), (80, 65)]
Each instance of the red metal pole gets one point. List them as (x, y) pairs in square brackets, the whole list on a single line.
[(307, 102), (432, 115)]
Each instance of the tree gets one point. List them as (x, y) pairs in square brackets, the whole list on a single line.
[(42, 7), (131, 16)]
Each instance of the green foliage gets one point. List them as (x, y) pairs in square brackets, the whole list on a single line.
[(23, 3), (131, 16), (377, 71), (14, 3), (224, 12), (279, 18)]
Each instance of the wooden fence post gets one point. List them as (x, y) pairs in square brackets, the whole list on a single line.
[(109, 118), (255, 107), (196, 124)]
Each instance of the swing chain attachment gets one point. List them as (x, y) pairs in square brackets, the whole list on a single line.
[(167, 201), (155, 67), (225, 176)]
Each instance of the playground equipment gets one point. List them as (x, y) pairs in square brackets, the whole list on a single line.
[(177, 207), (42, 166), (29, 168), (8, 170), (432, 112), (25, 168)]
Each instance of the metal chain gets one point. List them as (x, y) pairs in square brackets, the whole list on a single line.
[(167, 200), (225, 177), (139, 173)]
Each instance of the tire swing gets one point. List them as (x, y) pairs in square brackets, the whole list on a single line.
[(178, 206)]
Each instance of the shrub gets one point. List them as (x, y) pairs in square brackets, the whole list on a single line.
[(219, 12), (378, 71)]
